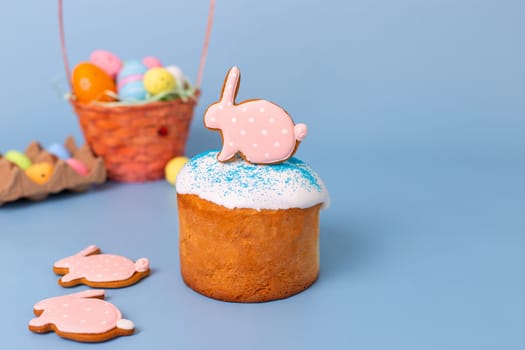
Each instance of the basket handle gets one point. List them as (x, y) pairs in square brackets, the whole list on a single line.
[(204, 51)]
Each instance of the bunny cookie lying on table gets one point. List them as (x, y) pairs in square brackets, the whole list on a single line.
[(97, 270), (83, 316)]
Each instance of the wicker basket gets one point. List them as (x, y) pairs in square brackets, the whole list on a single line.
[(136, 141)]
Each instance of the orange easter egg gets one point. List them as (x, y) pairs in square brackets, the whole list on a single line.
[(90, 83), (40, 172)]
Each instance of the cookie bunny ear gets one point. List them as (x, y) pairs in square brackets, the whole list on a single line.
[(90, 293), (92, 249), (231, 84)]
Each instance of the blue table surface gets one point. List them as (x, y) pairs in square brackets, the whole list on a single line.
[(409, 257), (416, 117)]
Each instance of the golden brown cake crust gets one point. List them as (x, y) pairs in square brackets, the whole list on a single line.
[(246, 255)]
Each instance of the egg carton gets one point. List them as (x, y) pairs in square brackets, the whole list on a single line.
[(15, 184)]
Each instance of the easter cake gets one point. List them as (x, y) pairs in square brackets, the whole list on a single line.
[(249, 220)]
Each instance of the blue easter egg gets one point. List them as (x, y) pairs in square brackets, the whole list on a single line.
[(59, 150), (130, 81), (132, 68), (133, 91)]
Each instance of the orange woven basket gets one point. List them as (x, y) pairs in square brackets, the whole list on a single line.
[(136, 141)]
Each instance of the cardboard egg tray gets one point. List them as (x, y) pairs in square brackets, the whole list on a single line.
[(14, 183)]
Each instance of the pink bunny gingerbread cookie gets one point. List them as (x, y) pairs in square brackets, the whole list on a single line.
[(262, 132), (83, 316), (97, 270)]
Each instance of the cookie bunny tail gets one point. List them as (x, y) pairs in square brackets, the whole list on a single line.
[(300, 131), (142, 265), (125, 324), (229, 90)]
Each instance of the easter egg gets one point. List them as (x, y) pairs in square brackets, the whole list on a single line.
[(18, 158), (133, 91), (177, 74), (132, 68), (173, 167), (158, 80), (106, 61), (59, 150), (40, 172), (90, 83), (78, 166), (151, 62), (130, 81)]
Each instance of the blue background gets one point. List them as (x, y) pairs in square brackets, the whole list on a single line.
[(416, 114)]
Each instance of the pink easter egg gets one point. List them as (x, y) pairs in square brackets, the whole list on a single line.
[(78, 166), (151, 62), (106, 61)]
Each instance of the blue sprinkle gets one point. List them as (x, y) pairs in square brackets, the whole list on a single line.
[(243, 174)]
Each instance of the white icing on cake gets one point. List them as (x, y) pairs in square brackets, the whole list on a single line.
[(238, 184)]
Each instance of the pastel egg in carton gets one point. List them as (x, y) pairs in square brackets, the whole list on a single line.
[(38, 172)]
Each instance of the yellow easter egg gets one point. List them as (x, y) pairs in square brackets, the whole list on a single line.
[(173, 167), (40, 172), (158, 80)]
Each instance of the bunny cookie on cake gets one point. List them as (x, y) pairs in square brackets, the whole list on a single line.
[(97, 270), (261, 131), (83, 316)]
